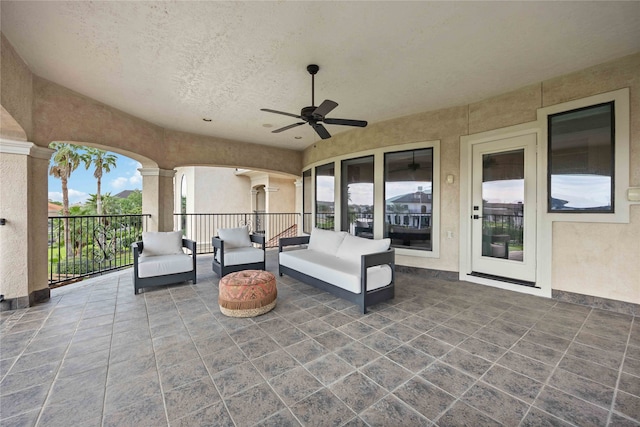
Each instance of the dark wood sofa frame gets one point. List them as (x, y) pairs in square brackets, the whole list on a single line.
[(167, 279), (222, 270), (364, 298)]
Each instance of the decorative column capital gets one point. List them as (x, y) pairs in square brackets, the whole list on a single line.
[(10, 146), (157, 172)]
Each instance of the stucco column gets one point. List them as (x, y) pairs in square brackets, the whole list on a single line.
[(157, 198), (254, 199), (23, 237)]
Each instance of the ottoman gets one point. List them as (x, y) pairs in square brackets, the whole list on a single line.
[(247, 293)]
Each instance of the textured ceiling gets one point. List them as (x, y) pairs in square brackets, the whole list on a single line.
[(175, 63)]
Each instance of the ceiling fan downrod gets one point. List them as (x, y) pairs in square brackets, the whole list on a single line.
[(313, 70)]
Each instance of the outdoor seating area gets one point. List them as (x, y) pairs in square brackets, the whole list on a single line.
[(441, 352)]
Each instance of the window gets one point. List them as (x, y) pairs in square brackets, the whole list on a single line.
[(357, 195), (581, 160), (325, 196), (183, 204), (408, 188), (307, 201)]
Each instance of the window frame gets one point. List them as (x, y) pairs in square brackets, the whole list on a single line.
[(584, 211), (307, 222), (621, 209), (384, 192), (336, 172), (379, 201), (344, 202)]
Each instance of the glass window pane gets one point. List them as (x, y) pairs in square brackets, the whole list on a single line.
[(408, 186), (307, 202), (325, 196), (503, 205), (357, 196), (581, 160)]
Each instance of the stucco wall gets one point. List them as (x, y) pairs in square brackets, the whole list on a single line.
[(13, 244), (16, 90), (220, 190), (588, 258)]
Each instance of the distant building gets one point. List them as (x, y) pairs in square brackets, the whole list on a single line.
[(124, 193), (54, 209), (410, 209)]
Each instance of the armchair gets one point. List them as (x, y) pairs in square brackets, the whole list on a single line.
[(233, 250), (160, 260)]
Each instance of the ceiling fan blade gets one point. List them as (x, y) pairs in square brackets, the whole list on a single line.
[(281, 112), (287, 127), (321, 130), (345, 122), (325, 108)]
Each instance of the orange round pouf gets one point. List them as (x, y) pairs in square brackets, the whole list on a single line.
[(247, 293)]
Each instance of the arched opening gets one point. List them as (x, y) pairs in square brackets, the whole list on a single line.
[(95, 200)]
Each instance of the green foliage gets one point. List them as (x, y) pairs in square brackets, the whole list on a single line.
[(132, 204), (76, 266)]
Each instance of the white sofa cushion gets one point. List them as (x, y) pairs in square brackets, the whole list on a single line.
[(336, 271), (161, 265), (326, 241), (235, 237), (161, 243), (352, 247), (237, 256)]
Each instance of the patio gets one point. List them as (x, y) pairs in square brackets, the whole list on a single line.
[(444, 353)]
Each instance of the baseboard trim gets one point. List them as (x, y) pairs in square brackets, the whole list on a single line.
[(616, 306), (25, 301)]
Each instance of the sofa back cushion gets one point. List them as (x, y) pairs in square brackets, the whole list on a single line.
[(235, 237), (326, 241), (161, 243), (352, 247)]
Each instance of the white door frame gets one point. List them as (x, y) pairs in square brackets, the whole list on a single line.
[(543, 287)]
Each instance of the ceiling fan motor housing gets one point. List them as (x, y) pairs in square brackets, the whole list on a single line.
[(307, 114)]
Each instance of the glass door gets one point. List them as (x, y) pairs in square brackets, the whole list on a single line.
[(503, 210)]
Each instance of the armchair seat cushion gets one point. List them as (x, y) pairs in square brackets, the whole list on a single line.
[(161, 265), (238, 256)]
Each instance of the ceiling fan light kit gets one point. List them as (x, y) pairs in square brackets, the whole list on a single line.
[(315, 116)]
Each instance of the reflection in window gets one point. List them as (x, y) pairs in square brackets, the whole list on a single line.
[(307, 202), (503, 205), (183, 204), (581, 153), (408, 177), (357, 196), (325, 196)]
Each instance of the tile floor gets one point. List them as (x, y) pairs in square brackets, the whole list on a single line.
[(442, 353)]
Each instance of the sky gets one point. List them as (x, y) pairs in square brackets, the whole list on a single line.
[(124, 176)]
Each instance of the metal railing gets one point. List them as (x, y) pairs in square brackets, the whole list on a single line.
[(201, 227), (81, 246), (511, 227)]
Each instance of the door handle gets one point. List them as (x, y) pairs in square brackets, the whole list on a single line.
[(477, 217)]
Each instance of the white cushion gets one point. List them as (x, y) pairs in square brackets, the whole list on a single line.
[(162, 265), (325, 241), (337, 271), (352, 247), (161, 243), (238, 256), (235, 237)]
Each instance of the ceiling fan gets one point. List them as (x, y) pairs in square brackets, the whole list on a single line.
[(315, 116)]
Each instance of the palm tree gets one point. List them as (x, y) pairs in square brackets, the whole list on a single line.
[(66, 159), (102, 161)]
